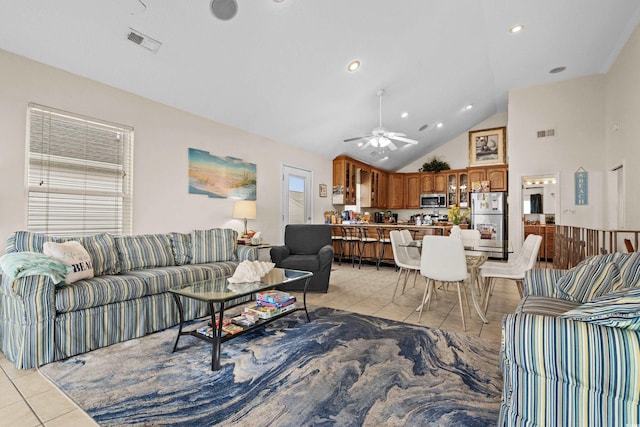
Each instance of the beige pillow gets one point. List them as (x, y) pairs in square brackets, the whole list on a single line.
[(74, 254)]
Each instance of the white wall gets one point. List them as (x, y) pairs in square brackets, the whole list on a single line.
[(162, 138), (623, 124), (575, 109)]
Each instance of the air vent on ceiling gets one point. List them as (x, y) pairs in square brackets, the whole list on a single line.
[(145, 41), (547, 133)]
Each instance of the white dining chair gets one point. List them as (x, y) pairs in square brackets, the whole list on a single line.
[(470, 238), (403, 261), (443, 260), (513, 269), (407, 237)]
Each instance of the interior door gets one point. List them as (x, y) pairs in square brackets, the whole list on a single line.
[(296, 196)]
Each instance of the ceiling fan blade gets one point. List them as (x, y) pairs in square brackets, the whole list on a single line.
[(358, 138), (366, 145), (391, 146), (394, 134), (403, 139)]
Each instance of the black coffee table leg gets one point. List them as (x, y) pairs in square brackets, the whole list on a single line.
[(304, 298), (217, 336), (181, 314)]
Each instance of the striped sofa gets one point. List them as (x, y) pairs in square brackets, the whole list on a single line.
[(41, 322), (571, 351)]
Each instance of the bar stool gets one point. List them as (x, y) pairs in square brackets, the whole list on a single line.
[(338, 242), (350, 241), (368, 236), (384, 240)]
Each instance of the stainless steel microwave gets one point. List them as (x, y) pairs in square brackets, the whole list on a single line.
[(433, 200)]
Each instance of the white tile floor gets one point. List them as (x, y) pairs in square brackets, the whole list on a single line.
[(28, 399)]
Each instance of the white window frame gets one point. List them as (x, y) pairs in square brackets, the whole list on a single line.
[(79, 174)]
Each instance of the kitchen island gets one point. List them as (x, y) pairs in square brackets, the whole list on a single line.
[(376, 231)]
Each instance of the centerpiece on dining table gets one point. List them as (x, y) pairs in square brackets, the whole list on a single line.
[(457, 216)]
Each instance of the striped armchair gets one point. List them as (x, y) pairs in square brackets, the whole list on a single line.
[(41, 321), (571, 351)]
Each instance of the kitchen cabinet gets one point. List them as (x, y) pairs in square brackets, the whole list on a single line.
[(391, 190), (373, 191), (497, 175), (396, 191), (440, 183), (426, 182), (383, 190), (463, 189), (344, 181), (547, 232), (412, 186), (457, 187)]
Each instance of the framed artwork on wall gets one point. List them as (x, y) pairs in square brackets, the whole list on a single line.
[(323, 190), (488, 147)]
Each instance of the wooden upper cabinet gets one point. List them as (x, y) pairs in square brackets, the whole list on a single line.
[(498, 177), (412, 190), (440, 182), (396, 191), (391, 190), (426, 182), (477, 175), (383, 190)]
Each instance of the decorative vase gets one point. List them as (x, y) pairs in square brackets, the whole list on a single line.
[(455, 232)]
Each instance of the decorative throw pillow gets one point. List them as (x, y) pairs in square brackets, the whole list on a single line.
[(619, 309), (588, 281), (104, 255), (181, 245), (144, 251), (215, 245), (73, 254)]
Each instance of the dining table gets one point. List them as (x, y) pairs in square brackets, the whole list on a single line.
[(476, 252)]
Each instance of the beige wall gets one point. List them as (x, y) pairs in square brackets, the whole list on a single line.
[(162, 138)]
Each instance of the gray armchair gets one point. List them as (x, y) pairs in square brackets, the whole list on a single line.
[(306, 247)]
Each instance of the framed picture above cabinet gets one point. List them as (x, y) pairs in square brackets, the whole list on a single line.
[(488, 147)]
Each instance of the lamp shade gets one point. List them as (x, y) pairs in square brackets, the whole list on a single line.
[(244, 209)]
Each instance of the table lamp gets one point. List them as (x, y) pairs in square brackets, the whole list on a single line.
[(244, 209)]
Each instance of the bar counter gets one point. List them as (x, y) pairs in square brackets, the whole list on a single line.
[(371, 250)]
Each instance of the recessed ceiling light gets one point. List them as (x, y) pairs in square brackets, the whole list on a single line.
[(516, 28), (353, 65), (468, 107), (404, 115), (360, 144), (439, 125), (557, 70), (384, 158)]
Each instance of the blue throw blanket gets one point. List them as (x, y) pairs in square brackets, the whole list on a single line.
[(20, 264)]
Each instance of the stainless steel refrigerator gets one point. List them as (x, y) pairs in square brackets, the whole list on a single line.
[(489, 216)]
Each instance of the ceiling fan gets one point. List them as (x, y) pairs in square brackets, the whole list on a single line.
[(380, 137)]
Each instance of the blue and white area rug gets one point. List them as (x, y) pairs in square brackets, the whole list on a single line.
[(341, 369)]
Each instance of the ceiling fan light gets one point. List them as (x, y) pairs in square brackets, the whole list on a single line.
[(383, 141), (375, 141)]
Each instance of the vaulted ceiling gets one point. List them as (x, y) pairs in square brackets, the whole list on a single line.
[(279, 68)]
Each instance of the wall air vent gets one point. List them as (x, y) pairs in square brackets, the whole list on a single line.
[(145, 41), (547, 133)]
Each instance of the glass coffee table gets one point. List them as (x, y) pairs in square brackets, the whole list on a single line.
[(216, 292)]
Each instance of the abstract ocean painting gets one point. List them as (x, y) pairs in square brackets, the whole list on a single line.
[(221, 177)]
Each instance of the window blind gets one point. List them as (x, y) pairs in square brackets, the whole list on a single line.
[(79, 176)]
